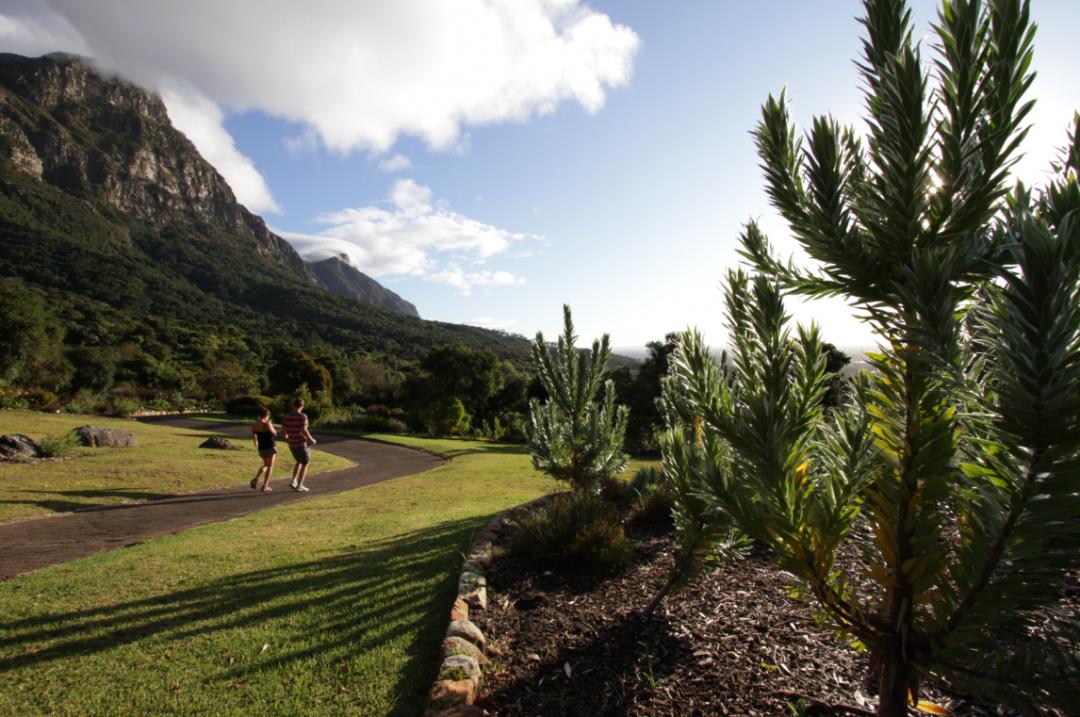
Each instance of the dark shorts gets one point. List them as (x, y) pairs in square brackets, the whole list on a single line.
[(268, 452), (301, 454)]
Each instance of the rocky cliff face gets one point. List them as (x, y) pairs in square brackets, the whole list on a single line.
[(343, 279), (104, 139)]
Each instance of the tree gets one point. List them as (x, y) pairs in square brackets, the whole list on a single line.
[(457, 371), (227, 379), (952, 469), (294, 368), (577, 435), (835, 361), (447, 417), (645, 418), (31, 352)]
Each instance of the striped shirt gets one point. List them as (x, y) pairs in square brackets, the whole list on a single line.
[(294, 425)]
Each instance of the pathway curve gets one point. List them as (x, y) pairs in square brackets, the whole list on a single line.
[(31, 544)]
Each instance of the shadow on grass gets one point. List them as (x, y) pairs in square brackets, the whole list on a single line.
[(350, 603)]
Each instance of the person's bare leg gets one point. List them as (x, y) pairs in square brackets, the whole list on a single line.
[(255, 480), (268, 464), (295, 471), (303, 474)]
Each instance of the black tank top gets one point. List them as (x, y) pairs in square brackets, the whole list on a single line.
[(266, 440)]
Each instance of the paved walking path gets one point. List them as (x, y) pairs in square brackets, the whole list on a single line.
[(31, 544)]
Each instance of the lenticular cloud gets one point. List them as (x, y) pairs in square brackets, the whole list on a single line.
[(362, 74)]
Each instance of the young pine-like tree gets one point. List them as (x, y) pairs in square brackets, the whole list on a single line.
[(577, 435), (951, 476)]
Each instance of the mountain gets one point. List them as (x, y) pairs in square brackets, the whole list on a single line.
[(137, 245), (340, 277)]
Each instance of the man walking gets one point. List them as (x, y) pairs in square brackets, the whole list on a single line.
[(299, 440)]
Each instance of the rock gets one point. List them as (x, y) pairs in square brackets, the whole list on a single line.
[(474, 595), (98, 437), (448, 694), (460, 667), (460, 610), (468, 631), (457, 646), (17, 447), (219, 443), (481, 554), (473, 578)]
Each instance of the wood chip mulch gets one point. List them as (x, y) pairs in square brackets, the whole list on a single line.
[(730, 643)]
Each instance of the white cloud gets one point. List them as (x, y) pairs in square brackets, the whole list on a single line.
[(200, 119), (462, 280), (412, 234), (397, 163), (362, 74), (306, 141), (38, 31)]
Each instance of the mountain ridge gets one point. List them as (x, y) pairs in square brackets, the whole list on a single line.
[(140, 250)]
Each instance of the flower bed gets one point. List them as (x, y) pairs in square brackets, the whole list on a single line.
[(731, 643)]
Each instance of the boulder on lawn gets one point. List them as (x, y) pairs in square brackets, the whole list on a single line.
[(17, 447), (98, 437), (219, 443)]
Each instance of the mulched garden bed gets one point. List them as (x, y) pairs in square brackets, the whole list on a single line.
[(731, 643)]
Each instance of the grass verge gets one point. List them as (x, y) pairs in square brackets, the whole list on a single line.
[(166, 460), (334, 605)]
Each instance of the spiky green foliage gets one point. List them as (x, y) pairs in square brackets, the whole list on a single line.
[(953, 469), (694, 465), (577, 435)]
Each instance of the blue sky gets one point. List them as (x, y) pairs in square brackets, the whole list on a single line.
[(628, 208)]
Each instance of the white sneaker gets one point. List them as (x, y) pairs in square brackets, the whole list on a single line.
[(293, 484), (303, 489)]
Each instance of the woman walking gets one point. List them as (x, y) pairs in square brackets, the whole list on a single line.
[(263, 434)]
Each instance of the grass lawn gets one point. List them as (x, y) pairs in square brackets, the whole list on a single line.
[(334, 605), (166, 460)]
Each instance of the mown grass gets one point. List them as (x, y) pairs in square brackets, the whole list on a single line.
[(454, 447), (166, 460), (334, 605)]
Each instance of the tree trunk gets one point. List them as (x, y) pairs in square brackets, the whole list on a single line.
[(895, 682)]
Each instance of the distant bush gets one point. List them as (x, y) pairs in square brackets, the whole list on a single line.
[(357, 420), (84, 401), (382, 424), (41, 399), (58, 446), (247, 405), (576, 531), (120, 406), (447, 418), (11, 397)]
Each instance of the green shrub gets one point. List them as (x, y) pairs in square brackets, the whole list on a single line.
[(651, 497), (247, 405), (84, 401), (11, 397), (381, 424), (58, 446), (447, 418), (576, 531), (120, 406), (341, 417), (41, 399)]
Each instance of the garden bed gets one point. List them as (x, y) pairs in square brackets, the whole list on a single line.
[(731, 643)]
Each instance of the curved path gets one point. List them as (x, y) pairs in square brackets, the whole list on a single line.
[(31, 544)]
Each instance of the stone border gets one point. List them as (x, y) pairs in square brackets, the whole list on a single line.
[(464, 648)]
